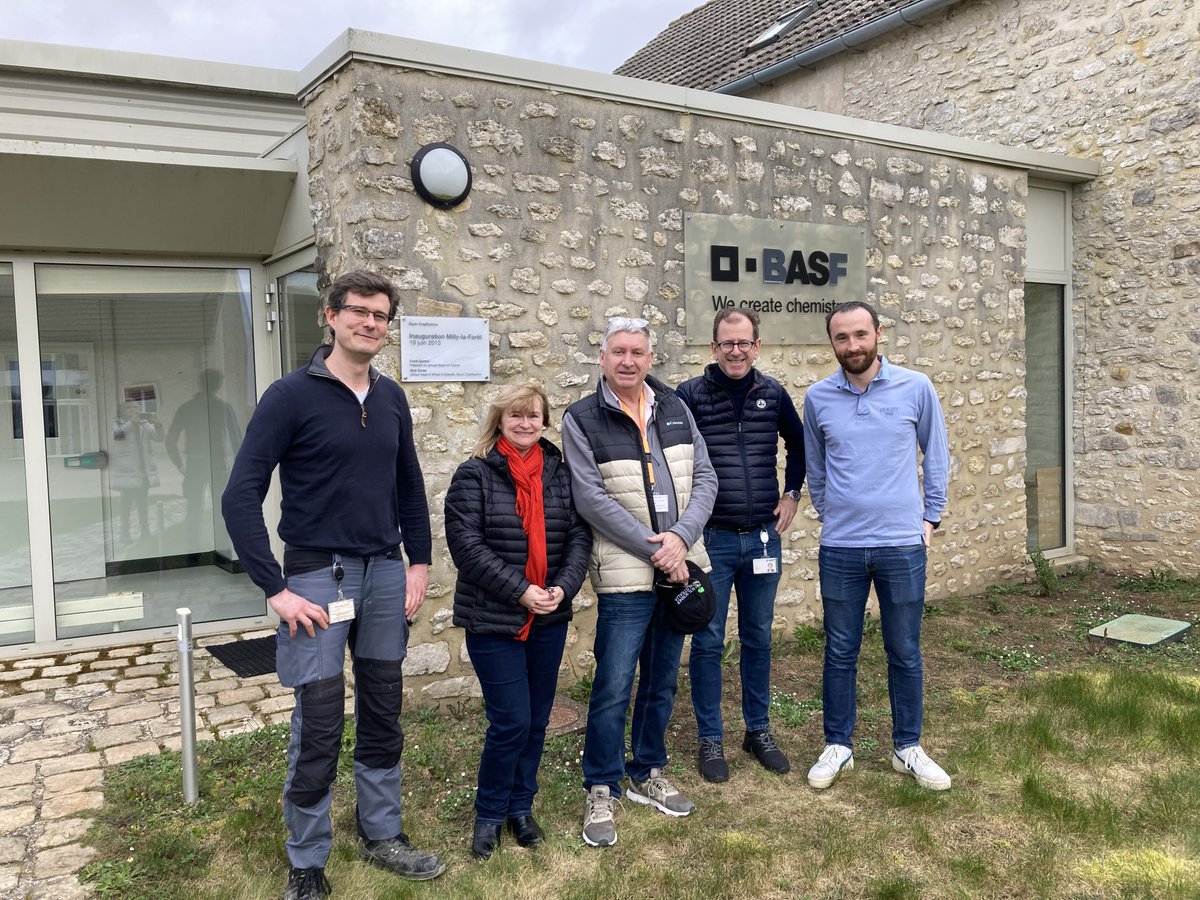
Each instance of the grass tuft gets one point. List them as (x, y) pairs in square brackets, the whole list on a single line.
[(808, 639), (1149, 872)]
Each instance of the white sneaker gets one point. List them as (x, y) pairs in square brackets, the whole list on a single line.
[(833, 759), (917, 763)]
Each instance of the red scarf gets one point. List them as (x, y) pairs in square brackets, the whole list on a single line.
[(526, 474)]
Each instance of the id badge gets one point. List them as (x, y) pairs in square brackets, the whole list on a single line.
[(341, 611), (661, 503), (766, 565)]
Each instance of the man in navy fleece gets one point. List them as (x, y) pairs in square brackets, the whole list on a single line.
[(352, 495)]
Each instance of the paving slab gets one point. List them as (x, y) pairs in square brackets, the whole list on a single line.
[(1144, 631)]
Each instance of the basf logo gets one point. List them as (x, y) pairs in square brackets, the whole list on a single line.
[(792, 274)]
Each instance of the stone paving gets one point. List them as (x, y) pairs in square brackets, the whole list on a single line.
[(65, 717)]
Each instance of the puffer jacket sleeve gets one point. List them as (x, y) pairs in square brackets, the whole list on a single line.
[(466, 536), (577, 547)]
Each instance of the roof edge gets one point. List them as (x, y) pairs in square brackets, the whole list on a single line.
[(120, 65), (846, 40), (58, 150), (356, 45)]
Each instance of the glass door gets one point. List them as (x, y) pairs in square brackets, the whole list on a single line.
[(301, 328), (148, 381), (16, 591)]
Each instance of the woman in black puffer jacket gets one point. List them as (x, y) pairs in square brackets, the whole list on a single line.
[(522, 553)]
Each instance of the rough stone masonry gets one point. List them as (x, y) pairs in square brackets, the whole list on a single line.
[(577, 214), (1117, 81)]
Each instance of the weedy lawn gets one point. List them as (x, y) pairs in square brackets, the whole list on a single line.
[(1075, 775)]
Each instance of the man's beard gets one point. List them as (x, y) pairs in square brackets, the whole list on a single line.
[(858, 363)]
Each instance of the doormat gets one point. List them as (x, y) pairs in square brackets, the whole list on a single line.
[(247, 658)]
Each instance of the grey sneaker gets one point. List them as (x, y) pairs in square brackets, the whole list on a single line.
[(599, 830), (916, 762), (399, 857), (656, 791), (307, 884)]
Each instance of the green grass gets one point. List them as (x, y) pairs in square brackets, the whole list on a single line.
[(807, 639), (1076, 774), (791, 712), (1160, 581)]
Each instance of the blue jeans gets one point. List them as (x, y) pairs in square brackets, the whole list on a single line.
[(631, 633), (898, 574), (732, 555), (518, 680)]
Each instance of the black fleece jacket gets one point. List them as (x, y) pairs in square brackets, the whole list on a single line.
[(349, 473), (490, 548)]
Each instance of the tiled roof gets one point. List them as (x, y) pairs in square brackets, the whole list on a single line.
[(707, 47)]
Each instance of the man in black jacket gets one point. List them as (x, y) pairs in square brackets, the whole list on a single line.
[(352, 493), (742, 413)]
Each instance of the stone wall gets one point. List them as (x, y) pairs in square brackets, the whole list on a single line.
[(1117, 81), (577, 214)]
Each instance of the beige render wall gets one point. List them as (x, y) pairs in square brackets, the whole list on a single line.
[(577, 214), (1117, 81)]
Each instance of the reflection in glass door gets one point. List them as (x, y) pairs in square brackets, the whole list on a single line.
[(16, 594), (148, 384), (302, 328)]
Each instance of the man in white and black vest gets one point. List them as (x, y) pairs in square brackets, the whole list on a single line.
[(642, 480)]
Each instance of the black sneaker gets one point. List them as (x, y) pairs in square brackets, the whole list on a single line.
[(712, 761), (763, 746), (307, 884), (399, 857)]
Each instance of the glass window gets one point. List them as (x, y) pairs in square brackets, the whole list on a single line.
[(148, 383), (16, 593), (303, 317), (1045, 417)]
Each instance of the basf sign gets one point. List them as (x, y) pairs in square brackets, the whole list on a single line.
[(791, 273)]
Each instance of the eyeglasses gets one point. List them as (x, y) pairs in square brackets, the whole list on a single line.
[(361, 312), (730, 346)]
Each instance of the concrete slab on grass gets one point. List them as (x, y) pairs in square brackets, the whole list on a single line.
[(1144, 631)]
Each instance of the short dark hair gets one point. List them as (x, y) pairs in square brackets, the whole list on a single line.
[(850, 306), (364, 284), (729, 312)]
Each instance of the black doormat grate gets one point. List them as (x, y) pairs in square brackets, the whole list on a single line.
[(247, 658)]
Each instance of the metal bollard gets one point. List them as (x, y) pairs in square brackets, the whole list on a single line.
[(187, 705)]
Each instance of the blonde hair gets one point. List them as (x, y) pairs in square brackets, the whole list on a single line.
[(518, 397)]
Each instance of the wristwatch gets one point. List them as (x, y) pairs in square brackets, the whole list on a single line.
[(794, 494)]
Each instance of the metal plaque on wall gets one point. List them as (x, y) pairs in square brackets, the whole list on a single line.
[(791, 273)]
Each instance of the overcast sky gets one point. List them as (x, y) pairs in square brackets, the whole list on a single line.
[(288, 34)]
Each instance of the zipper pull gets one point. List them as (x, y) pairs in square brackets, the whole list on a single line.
[(363, 419)]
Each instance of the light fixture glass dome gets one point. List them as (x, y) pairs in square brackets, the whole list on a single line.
[(441, 175)]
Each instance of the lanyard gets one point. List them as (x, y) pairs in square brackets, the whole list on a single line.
[(640, 421)]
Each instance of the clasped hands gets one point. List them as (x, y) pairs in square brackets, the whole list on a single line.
[(541, 601)]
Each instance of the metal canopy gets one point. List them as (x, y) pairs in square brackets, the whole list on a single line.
[(72, 198)]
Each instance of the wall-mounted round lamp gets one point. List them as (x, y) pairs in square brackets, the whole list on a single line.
[(441, 175)]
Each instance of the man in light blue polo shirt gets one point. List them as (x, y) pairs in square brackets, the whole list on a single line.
[(863, 426)]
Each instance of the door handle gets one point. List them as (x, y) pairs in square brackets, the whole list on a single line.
[(97, 460)]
